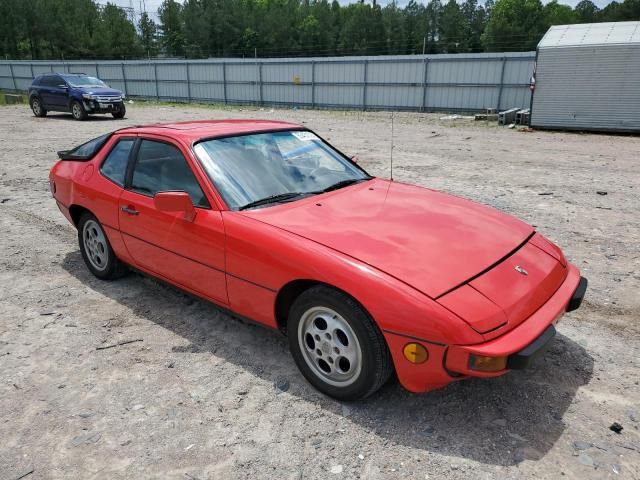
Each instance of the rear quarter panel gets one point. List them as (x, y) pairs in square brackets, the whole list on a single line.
[(81, 184)]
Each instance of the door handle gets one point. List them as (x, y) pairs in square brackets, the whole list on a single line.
[(129, 210)]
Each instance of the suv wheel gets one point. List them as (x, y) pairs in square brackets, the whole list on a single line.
[(78, 111), (37, 108), (120, 113)]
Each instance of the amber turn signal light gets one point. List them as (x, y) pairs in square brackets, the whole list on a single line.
[(415, 353), (487, 364)]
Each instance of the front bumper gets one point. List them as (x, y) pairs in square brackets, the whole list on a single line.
[(93, 106), (529, 340), (522, 345), (578, 295), (525, 357)]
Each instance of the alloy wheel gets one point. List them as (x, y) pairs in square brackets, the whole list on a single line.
[(76, 110), (330, 346), (95, 245)]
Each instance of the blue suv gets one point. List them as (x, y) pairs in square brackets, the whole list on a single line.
[(77, 93)]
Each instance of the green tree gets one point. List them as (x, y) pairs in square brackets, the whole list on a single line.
[(196, 14), (393, 22), (514, 25), (11, 28), (199, 28), (172, 27), (431, 24), (454, 36), (115, 36), (586, 12), (558, 14), (312, 38), (474, 23), (618, 12), (148, 35), (329, 25), (415, 26)]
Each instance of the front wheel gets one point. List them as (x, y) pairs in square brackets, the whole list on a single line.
[(336, 344), (78, 111), (96, 249), (37, 108), (120, 113)]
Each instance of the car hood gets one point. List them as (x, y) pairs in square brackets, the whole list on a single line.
[(100, 91), (430, 240)]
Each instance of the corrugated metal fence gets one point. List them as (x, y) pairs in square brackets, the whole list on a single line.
[(462, 82)]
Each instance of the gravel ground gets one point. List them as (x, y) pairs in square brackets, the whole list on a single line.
[(203, 395)]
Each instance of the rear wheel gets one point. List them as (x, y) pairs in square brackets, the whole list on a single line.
[(120, 113), (96, 249), (78, 111), (37, 108), (336, 344)]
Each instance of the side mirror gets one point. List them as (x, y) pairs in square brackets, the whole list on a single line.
[(175, 202), (63, 86), (355, 159)]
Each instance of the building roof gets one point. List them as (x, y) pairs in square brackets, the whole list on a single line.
[(197, 130), (590, 34)]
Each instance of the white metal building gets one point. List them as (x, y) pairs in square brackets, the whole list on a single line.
[(588, 78)]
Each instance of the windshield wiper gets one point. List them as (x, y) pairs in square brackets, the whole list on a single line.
[(280, 197), (343, 183), (273, 199)]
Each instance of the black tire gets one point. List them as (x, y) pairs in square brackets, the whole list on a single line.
[(37, 108), (120, 113), (108, 267), (78, 111), (376, 364)]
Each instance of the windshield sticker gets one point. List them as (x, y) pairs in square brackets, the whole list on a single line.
[(296, 152), (305, 136)]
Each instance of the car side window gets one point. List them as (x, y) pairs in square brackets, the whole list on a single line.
[(114, 166), (160, 167), (51, 81), (57, 81)]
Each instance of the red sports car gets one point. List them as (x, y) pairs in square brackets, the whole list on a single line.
[(366, 276)]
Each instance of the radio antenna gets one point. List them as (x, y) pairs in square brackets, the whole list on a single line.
[(391, 152)]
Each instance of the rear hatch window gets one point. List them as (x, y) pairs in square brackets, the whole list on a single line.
[(86, 151)]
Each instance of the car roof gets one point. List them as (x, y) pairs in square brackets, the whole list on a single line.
[(200, 129), (63, 74), (60, 74)]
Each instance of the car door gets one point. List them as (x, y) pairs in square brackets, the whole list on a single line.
[(187, 253), (44, 90), (54, 92), (102, 191)]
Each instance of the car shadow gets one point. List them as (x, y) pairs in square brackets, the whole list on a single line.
[(90, 118), (500, 421)]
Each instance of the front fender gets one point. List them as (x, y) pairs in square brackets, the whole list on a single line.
[(271, 258)]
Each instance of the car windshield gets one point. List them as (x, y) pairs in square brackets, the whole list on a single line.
[(83, 81), (266, 168)]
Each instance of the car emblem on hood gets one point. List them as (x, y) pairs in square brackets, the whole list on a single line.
[(521, 270)]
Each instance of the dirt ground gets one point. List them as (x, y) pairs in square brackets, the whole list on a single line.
[(206, 396)]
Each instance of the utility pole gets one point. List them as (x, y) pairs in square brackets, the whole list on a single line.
[(424, 44)]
